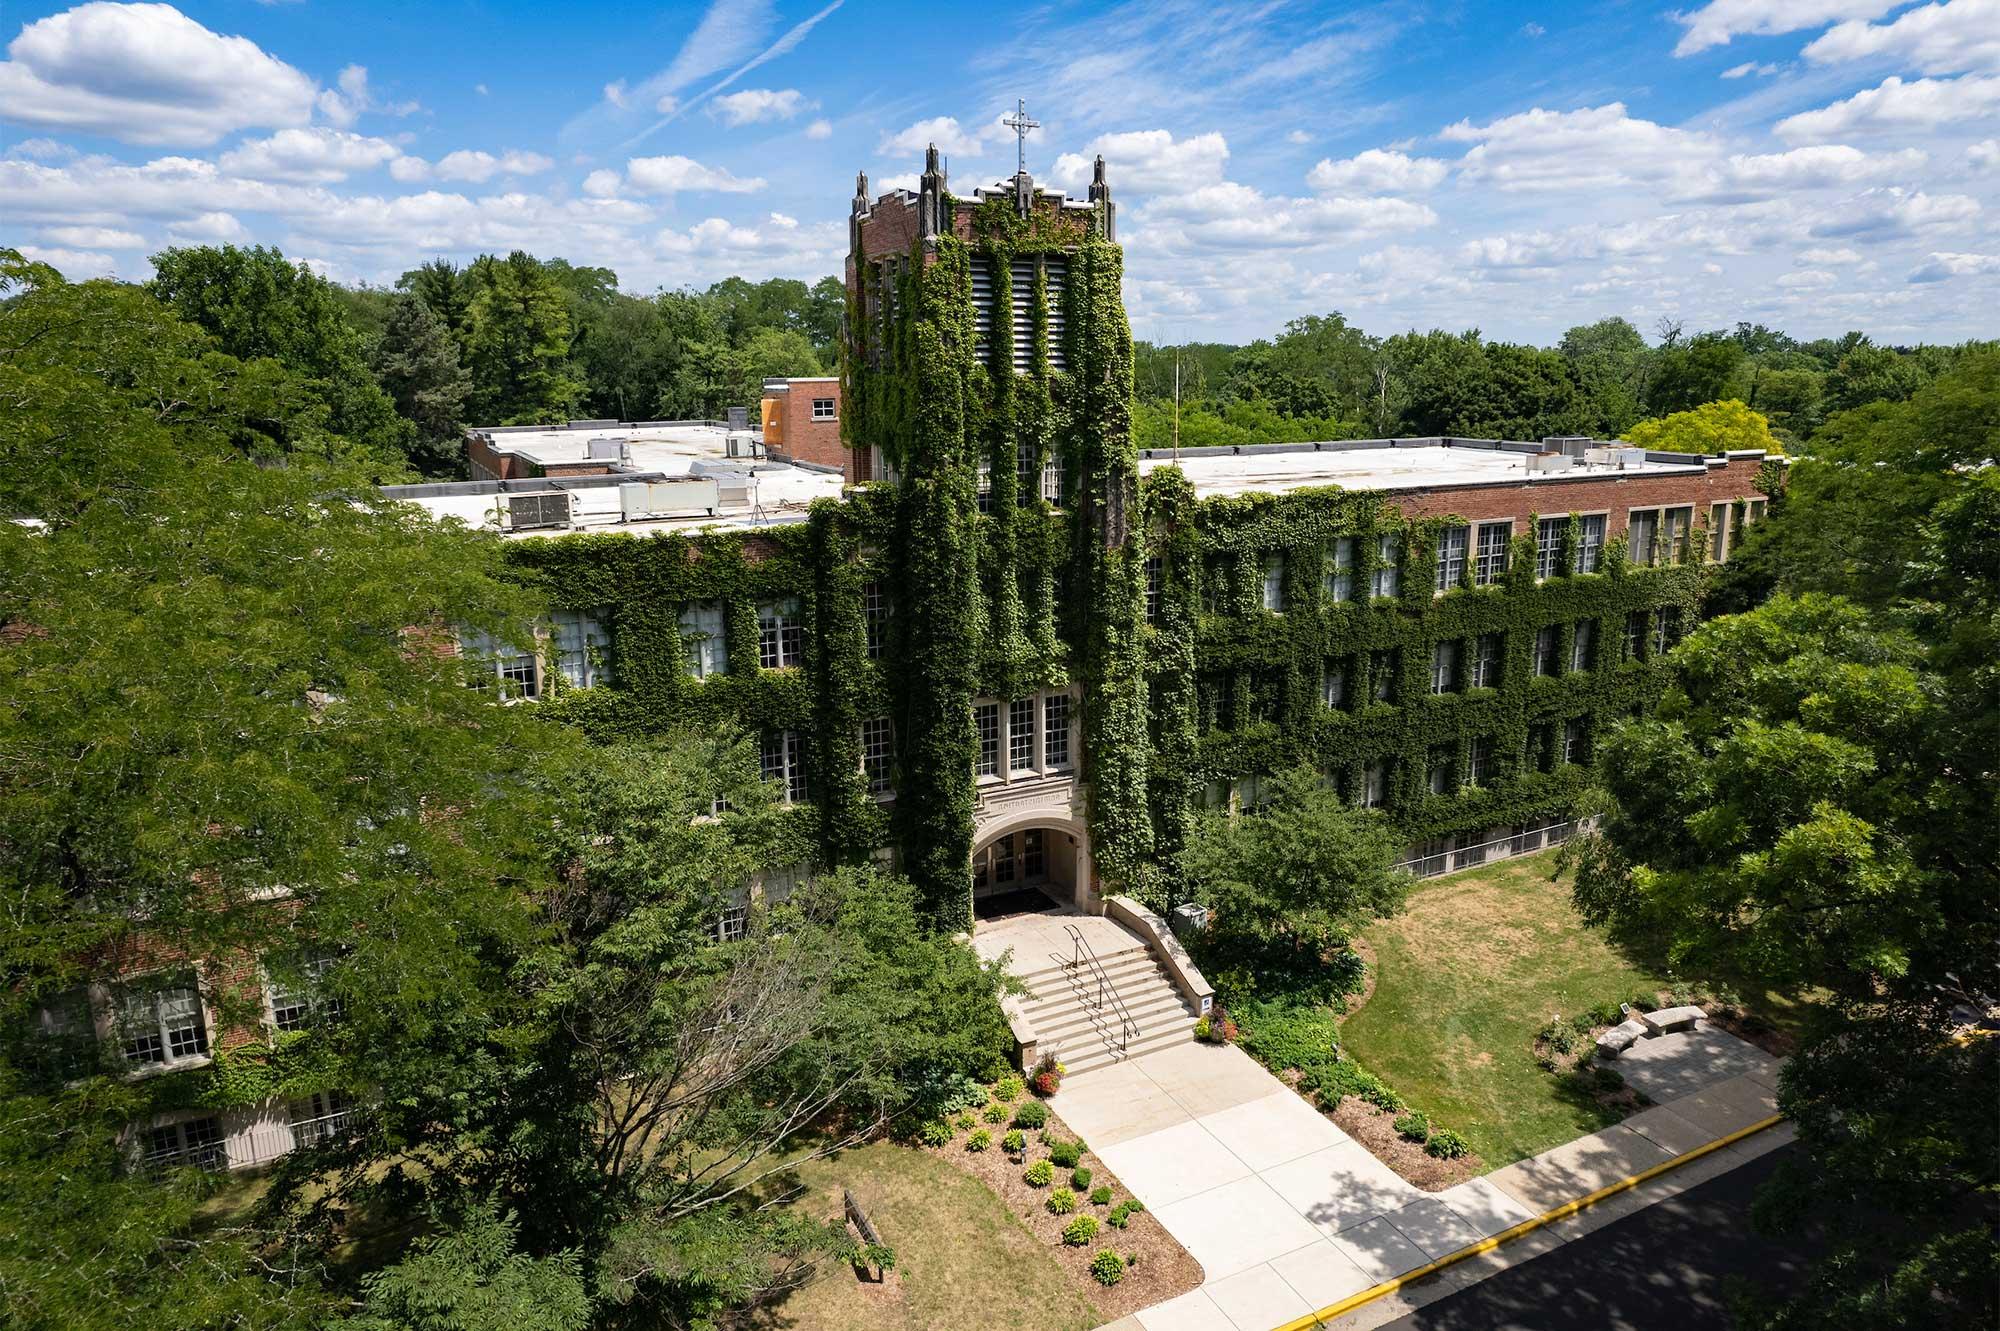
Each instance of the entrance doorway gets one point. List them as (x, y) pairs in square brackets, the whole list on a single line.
[(1030, 869)]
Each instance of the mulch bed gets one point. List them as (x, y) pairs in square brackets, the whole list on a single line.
[(1375, 1129), (1163, 1269)]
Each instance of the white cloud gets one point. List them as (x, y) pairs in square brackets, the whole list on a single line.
[(1146, 161), (94, 237), (314, 155), (1985, 153), (1298, 136), (1593, 149), (1888, 214), (146, 73), (76, 265), (344, 105), (945, 131), (1748, 67), (820, 129), (409, 169), (667, 105), (1378, 172), (1231, 216), (672, 175), (1807, 279), (480, 167), (1821, 255), (210, 228), (615, 94), (1533, 30), (754, 106), (41, 150), (601, 184), (1940, 267), (1951, 38), (1898, 106), (1719, 20), (1742, 177)]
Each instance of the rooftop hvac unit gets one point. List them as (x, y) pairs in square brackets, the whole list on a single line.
[(548, 508), (607, 449), (742, 444), (739, 418), (666, 499), (1571, 445)]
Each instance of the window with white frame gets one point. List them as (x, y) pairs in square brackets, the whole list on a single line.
[(1718, 531), (1027, 466), (875, 617), (1753, 511), (1375, 784), (1666, 629), (985, 485), (1055, 731), (1548, 659), (1021, 734), (1340, 572), (1635, 635), (732, 923), (1382, 676), (1548, 545), (1486, 661), (162, 1023), (1590, 542), (781, 634), (1491, 560), (877, 755), (581, 648), (1450, 558), (321, 1116), (1052, 478), (783, 760), (1153, 571), (1675, 525), (1642, 534), (1388, 580), (1333, 684), (510, 669), (1582, 642), (193, 1142), (1479, 761), (986, 719), (1576, 741), (1444, 666), (704, 646), (1274, 583), (297, 991), (823, 409)]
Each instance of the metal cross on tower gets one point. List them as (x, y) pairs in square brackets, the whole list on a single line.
[(1020, 124)]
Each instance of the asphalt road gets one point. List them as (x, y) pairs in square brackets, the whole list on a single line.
[(1659, 1269)]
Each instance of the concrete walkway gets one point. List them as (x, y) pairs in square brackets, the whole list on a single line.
[(1287, 1214)]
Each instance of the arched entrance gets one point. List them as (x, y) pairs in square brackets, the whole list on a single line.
[(1030, 865)]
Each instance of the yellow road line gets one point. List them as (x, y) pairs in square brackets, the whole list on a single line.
[(1351, 1302)]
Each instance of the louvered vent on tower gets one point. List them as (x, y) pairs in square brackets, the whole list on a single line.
[(1058, 284), (1023, 276), (982, 307)]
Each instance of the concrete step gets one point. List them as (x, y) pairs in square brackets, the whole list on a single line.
[(1153, 1012), (1137, 954), (1087, 1059), (1083, 988), (1057, 980)]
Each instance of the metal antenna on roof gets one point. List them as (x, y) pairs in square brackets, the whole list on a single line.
[(1020, 124)]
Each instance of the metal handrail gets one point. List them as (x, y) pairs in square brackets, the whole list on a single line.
[(1127, 1027)]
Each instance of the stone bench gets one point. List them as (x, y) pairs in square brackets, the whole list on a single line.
[(1620, 1038), (1672, 1019)]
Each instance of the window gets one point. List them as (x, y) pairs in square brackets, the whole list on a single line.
[(732, 923), (66, 1035), (1444, 666), (781, 634), (1675, 524), (513, 668), (1274, 583), (784, 761), (1582, 643), (195, 1142), (702, 639), (1753, 511), (1492, 558), (1540, 738), (1027, 467), (1382, 676), (1548, 661), (1153, 589), (1034, 861), (985, 485), (1642, 532), (321, 1116), (877, 754), (986, 716), (1486, 661), (1442, 765), (1340, 576), (580, 648), (1590, 543), (1718, 531), (823, 409), (1576, 742), (875, 617), (297, 992), (1251, 794), (1375, 784), (1450, 558), (162, 1024), (1052, 478), (1548, 545), (1388, 561), (1055, 730), (1333, 685), (1635, 635), (1666, 629), (1479, 761), (1021, 735), (1215, 587)]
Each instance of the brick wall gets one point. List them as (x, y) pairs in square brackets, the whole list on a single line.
[(1612, 493), (486, 464), (808, 440)]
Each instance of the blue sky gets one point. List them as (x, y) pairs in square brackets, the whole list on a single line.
[(1814, 164)]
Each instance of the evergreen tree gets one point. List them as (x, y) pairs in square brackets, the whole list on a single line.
[(520, 342), (417, 363)]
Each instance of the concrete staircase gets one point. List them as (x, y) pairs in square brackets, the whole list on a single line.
[(1062, 1002)]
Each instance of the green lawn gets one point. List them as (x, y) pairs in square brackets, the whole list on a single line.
[(964, 1259), (1464, 978)]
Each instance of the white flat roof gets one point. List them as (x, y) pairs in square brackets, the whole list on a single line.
[(1396, 465), (666, 446)]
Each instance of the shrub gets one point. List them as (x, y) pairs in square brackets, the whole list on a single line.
[(1039, 1175), (1061, 1202), (1134, 1204), (1447, 1145), (1100, 1196), (1383, 1098), (1065, 1154), (1008, 1089), (1079, 1178), (1033, 1114), (995, 1114), (1120, 1215), (1202, 1030), (1014, 1142), (964, 1122), (979, 1140), (880, 1256), (1080, 1230), (1107, 1267), (1291, 1035), (1413, 1127), (934, 1133), (1047, 1084), (951, 1093)]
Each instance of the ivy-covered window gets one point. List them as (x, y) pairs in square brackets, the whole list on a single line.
[(1548, 658), (1675, 525), (1021, 735), (985, 485), (321, 1116), (1590, 543), (1492, 555), (1215, 586), (986, 718), (1666, 629), (1027, 468), (580, 647), (195, 1142), (1444, 666), (1053, 478), (1443, 767), (1055, 731), (1274, 583), (296, 989), (162, 1022), (1635, 635), (1340, 573), (1388, 565), (1382, 676), (1642, 530), (1375, 784), (1718, 531), (65, 1036), (1479, 761), (1153, 574), (703, 642), (784, 761), (1582, 643), (1450, 558), (1541, 741), (1548, 545), (781, 634), (877, 754), (1333, 684), (500, 665), (875, 617), (1576, 741), (1486, 652), (732, 923)]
